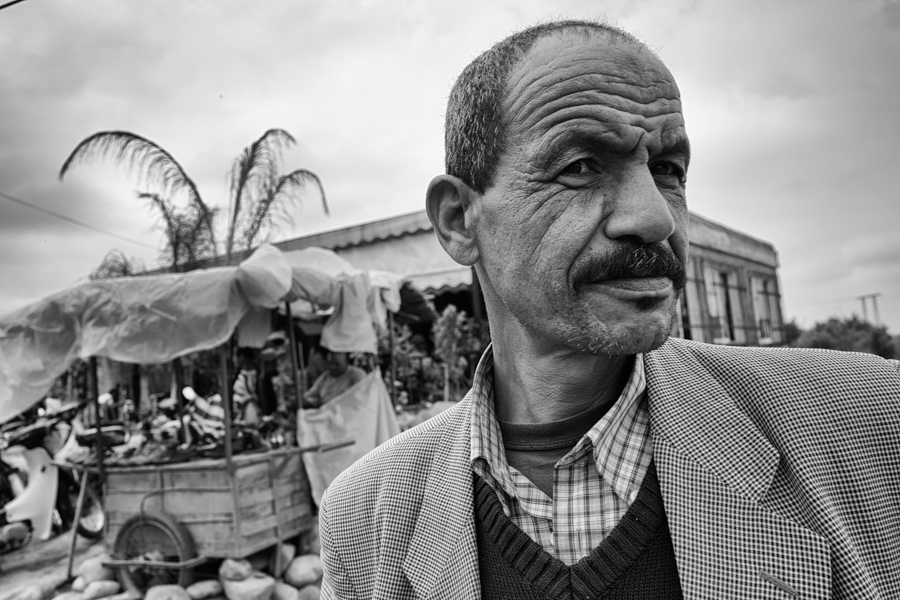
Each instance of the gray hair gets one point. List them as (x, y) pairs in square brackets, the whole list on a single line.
[(474, 134)]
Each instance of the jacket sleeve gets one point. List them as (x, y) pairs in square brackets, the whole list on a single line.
[(335, 579)]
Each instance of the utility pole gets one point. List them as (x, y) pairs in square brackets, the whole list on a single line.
[(874, 298)]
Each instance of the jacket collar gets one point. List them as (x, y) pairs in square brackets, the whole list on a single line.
[(691, 410), (715, 468)]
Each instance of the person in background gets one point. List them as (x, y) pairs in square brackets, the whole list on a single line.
[(246, 400), (339, 377), (315, 366)]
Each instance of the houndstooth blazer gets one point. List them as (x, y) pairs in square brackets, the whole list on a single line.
[(780, 474)]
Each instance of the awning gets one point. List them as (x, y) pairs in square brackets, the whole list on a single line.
[(439, 281)]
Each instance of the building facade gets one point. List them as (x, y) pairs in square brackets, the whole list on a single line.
[(732, 294)]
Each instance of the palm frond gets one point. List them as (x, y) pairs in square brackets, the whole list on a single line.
[(250, 172), (170, 228), (115, 264), (277, 195), (155, 166)]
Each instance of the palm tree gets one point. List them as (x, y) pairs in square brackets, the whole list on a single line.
[(115, 264), (189, 237), (258, 195), (258, 191)]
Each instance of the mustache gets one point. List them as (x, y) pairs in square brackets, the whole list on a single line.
[(631, 259)]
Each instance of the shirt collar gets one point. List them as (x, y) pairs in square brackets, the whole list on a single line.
[(620, 439)]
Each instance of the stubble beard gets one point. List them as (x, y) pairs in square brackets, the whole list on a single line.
[(598, 338)]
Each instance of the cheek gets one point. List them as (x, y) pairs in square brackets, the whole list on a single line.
[(679, 239)]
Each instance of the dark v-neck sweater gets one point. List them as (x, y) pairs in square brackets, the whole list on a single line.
[(636, 560)]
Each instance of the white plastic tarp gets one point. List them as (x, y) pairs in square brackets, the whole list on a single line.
[(155, 318), (323, 279), (349, 328), (363, 413), (150, 319)]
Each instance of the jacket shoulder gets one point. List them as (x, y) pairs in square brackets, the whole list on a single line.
[(791, 388), (804, 363), (402, 462)]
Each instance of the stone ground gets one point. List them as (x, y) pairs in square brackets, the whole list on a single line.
[(42, 562)]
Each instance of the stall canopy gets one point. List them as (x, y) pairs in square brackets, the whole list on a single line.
[(154, 319)]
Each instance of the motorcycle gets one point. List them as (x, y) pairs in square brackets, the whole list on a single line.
[(38, 497)]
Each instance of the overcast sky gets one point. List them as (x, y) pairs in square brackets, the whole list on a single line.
[(792, 106)]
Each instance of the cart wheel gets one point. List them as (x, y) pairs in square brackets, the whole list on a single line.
[(93, 517), (156, 537)]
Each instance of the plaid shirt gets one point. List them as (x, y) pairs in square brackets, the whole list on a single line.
[(594, 483)]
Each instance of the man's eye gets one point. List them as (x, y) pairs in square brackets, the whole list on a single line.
[(579, 167), (668, 169)]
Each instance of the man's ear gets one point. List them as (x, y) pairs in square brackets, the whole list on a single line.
[(448, 203)]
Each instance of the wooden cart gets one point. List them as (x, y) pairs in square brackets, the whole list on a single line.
[(167, 519)]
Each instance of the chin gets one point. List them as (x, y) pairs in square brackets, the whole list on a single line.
[(647, 330)]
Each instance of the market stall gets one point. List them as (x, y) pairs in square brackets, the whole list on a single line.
[(167, 518)]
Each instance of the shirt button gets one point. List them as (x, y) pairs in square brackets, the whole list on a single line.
[(632, 495)]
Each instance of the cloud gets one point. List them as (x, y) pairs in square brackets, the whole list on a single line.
[(875, 250), (791, 106), (890, 10)]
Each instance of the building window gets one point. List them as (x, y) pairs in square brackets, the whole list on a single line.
[(684, 312), (765, 307), (720, 298)]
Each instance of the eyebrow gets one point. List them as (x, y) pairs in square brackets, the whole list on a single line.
[(587, 138), (681, 146)]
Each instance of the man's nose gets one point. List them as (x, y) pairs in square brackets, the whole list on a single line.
[(637, 209)]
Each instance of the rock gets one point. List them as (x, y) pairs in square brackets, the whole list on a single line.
[(287, 554), (304, 570), (205, 589), (284, 591), (310, 592), (92, 569), (258, 586), (166, 592), (79, 584), (129, 595), (41, 590), (100, 589), (235, 569)]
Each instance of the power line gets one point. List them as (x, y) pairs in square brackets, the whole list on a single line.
[(70, 219), (8, 4)]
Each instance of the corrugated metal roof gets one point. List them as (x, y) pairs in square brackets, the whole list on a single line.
[(365, 233)]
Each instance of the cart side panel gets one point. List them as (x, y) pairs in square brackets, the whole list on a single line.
[(274, 500), (198, 498), (267, 497)]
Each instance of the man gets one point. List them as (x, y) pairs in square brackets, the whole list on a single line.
[(246, 400), (593, 457), (339, 377)]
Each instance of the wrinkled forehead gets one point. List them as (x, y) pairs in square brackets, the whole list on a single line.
[(596, 66)]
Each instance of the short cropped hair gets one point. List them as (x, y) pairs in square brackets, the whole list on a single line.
[(474, 134)]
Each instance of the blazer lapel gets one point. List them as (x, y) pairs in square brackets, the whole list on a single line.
[(442, 558), (714, 468)]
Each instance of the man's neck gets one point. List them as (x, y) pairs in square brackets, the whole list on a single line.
[(533, 385)]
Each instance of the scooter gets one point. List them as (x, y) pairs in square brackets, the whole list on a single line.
[(38, 497)]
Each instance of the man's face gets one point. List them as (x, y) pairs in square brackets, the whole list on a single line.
[(582, 236), (337, 362)]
